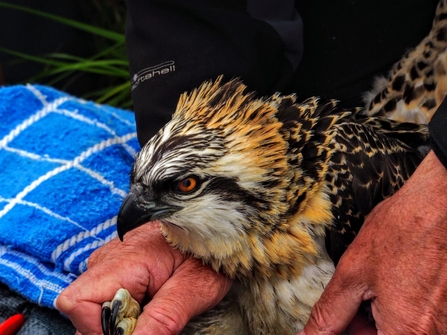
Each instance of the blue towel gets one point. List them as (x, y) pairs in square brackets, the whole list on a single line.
[(64, 171)]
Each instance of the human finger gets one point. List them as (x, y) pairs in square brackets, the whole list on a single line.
[(339, 302), (81, 301), (193, 289), (141, 264)]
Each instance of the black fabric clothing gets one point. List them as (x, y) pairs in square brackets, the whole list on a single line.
[(173, 46), (284, 18), (438, 133), (347, 43)]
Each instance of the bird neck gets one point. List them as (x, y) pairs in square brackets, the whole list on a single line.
[(296, 242), (282, 306)]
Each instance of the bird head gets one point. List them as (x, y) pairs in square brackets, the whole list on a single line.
[(217, 179)]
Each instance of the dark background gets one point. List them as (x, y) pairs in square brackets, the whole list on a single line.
[(34, 35)]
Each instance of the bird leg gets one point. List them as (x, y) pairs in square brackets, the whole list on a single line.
[(119, 316)]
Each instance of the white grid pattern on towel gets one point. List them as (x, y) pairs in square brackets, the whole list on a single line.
[(76, 163)]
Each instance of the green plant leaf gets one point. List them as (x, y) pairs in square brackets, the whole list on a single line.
[(73, 23), (105, 66), (110, 61), (113, 92)]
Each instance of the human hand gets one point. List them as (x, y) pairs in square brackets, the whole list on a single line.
[(180, 286), (398, 261)]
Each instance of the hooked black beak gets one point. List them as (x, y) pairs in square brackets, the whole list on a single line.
[(132, 216)]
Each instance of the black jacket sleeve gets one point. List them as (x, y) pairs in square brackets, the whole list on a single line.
[(174, 45), (438, 132)]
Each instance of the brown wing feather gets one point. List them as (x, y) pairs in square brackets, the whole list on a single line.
[(361, 159), (371, 160)]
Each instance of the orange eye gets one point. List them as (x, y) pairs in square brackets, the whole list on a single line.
[(187, 184)]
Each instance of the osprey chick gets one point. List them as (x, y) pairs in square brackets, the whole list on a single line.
[(263, 190)]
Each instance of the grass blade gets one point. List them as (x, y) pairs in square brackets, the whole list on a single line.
[(73, 23)]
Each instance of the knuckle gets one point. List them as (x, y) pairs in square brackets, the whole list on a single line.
[(352, 267), (94, 258), (100, 254), (319, 322)]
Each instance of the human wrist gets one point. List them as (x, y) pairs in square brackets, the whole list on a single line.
[(435, 173), (426, 190)]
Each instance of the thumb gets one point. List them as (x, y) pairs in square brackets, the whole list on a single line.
[(337, 305), (193, 289)]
